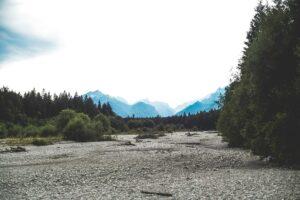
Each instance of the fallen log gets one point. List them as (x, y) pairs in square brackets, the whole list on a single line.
[(157, 193), (13, 150)]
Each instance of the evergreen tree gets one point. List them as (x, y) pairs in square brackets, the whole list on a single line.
[(261, 107)]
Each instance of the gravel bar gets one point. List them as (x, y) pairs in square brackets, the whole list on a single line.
[(175, 166)]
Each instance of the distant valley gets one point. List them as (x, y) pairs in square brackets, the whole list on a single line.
[(147, 108)]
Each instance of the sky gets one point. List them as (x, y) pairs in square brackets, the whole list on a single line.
[(168, 50)]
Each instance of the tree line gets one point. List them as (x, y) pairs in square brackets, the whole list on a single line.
[(200, 121), (22, 109), (260, 109), (79, 118)]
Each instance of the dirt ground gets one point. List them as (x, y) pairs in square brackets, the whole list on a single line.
[(175, 166)]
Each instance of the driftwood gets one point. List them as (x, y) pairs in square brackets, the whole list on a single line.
[(13, 149), (138, 140), (157, 193), (190, 134), (127, 143)]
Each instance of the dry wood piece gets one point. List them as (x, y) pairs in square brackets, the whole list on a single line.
[(13, 149), (190, 134), (157, 193), (128, 143)]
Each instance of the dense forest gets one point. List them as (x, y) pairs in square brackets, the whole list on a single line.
[(261, 108), (36, 106), (78, 118)]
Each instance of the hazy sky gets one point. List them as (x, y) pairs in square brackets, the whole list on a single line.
[(168, 50)]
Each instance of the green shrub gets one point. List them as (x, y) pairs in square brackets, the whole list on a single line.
[(98, 127), (118, 124), (48, 130), (148, 123), (64, 118), (30, 131), (15, 130), (134, 124), (3, 130), (160, 127), (41, 142), (78, 130), (79, 127), (84, 117), (105, 122), (170, 128)]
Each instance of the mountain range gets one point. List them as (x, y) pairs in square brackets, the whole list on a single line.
[(206, 104), (147, 108)]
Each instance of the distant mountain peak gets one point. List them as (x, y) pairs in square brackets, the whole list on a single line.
[(121, 107), (142, 109), (197, 103), (148, 108), (96, 92), (140, 103), (207, 103), (162, 108)]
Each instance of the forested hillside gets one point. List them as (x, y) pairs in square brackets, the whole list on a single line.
[(261, 108)]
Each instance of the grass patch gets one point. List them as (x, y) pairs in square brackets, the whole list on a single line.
[(42, 141), (22, 141)]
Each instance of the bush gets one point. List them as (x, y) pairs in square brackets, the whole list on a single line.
[(149, 136), (118, 124), (3, 130), (148, 123), (79, 127), (48, 130), (98, 127), (100, 118), (78, 130), (41, 142), (15, 130), (84, 117), (30, 131), (160, 127), (170, 128), (64, 118), (134, 124)]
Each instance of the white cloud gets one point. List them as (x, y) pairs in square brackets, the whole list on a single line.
[(166, 50)]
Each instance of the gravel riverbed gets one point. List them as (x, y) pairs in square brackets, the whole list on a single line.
[(175, 166)]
